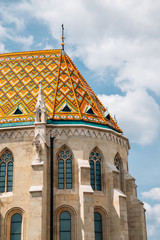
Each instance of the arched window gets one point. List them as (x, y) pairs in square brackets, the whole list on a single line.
[(117, 163), (6, 171), (65, 169), (98, 226), (119, 166), (95, 169), (65, 226), (16, 222)]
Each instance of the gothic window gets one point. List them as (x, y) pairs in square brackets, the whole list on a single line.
[(61, 174), (97, 226), (65, 169), (95, 169), (6, 171), (16, 222), (118, 165), (65, 226)]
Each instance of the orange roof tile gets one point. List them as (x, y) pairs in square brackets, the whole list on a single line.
[(66, 93)]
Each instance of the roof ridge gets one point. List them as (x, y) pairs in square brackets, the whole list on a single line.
[(73, 89), (28, 52), (56, 86), (89, 93), (79, 73), (62, 83), (87, 83), (92, 99)]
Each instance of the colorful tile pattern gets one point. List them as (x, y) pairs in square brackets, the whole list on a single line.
[(62, 84)]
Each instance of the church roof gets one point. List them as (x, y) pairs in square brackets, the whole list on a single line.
[(66, 93)]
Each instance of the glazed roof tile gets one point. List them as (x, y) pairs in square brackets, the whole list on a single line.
[(66, 93)]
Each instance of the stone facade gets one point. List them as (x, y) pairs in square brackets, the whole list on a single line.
[(122, 213), (65, 178)]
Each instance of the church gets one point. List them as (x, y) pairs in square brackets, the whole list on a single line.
[(63, 158)]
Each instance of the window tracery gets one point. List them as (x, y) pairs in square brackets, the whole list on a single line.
[(65, 169), (6, 171), (95, 169), (117, 163), (119, 166)]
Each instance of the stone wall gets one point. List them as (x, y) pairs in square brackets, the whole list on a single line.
[(120, 210)]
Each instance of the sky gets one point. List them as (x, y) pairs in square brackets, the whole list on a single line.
[(116, 46)]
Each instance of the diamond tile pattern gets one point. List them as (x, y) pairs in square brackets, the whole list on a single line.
[(62, 85)]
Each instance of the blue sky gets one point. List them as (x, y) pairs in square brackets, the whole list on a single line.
[(116, 46)]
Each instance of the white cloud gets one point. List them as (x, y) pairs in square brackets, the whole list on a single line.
[(2, 32), (48, 46), (25, 41), (10, 15), (122, 35), (152, 213), (12, 25), (137, 114), (153, 220), (119, 35), (2, 48), (153, 194)]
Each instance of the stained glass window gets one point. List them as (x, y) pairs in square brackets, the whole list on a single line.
[(65, 226), (65, 169), (92, 174), (98, 226), (16, 222), (6, 171), (2, 176), (68, 174), (98, 176), (61, 174), (95, 169)]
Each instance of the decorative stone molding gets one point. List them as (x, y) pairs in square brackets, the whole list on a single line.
[(16, 133), (92, 132), (40, 109), (54, 133), (25, 131), (38, 147)]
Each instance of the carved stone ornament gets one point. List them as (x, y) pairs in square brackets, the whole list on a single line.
[(40, 109), (38, 147)]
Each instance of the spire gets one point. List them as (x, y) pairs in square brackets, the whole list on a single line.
[(62, 37), (40, 109)]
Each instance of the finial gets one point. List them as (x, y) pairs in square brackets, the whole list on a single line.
[(40, 99), (62, 37), (40, 108)]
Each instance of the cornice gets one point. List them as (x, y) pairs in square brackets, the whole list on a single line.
[(16, 133), (67, 130), (89, 131)]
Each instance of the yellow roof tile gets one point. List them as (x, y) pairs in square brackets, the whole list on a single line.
[(66, 93)]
